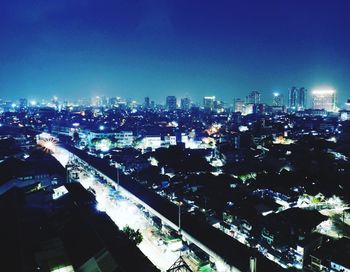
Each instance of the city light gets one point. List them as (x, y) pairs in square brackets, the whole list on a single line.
[(47, 142), (100, 207), (323, 92), (59, 192), (176, 138)]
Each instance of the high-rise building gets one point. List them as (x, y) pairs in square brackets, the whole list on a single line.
[(147, 103), (253, 98), (297, 98), (323, 100), (277, 100), (302, 98), (292, 98), (219, 106), (185, 103), (208, 102), (131, 104), (239, 105), (171, 103)]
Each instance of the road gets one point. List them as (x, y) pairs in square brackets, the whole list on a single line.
[(124, 212)]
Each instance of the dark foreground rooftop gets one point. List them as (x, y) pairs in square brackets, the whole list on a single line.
[(39, 232)]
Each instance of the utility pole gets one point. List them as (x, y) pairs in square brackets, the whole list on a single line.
[(117, 166), (179, 205)]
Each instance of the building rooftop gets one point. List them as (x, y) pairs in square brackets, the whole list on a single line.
[(47, 233)]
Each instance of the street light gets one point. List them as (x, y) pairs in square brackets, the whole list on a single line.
[(117, 166), (179, 203)]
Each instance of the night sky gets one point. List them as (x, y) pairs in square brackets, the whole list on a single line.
[(132, 48)]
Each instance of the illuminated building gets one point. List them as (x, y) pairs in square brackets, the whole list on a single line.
[(131, 104), (302, 98), (124, 138), (253, 97), (249, 108), (323, 99), (153, 142), (297, 98), (208, 102), (185, 103), (277, 100), (171, 103), (146, 103), (239, 105), (96, 101), (219, 106)]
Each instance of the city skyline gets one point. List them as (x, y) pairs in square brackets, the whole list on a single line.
[(172, 48), (298, 99), (192, 135)]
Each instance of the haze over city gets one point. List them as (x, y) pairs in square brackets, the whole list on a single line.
[(135, 49)]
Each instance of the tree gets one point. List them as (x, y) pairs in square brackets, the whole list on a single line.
[(133, 235)]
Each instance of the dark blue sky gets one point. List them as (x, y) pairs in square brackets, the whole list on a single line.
[(135, 48)]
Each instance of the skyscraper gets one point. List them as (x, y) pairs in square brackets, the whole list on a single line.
[(171, 103), (239, 105), (277, 100), (208, 102), (302, 98), (297, 98), (253, 97), (323, 100), (185, 103), (146, 103), (292, 98)]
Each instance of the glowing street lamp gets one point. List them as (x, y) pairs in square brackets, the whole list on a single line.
[(179, 203), (117, 166), (49, 145)]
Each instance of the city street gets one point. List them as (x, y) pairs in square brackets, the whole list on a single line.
[(124, 212)]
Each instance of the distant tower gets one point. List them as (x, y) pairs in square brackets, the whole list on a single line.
[(292, 98), (297, 98), (277, 100), (171, 103), (185, 103), (254, 97), (209, 102), (302, 98), (239, 105), (147, 104)]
